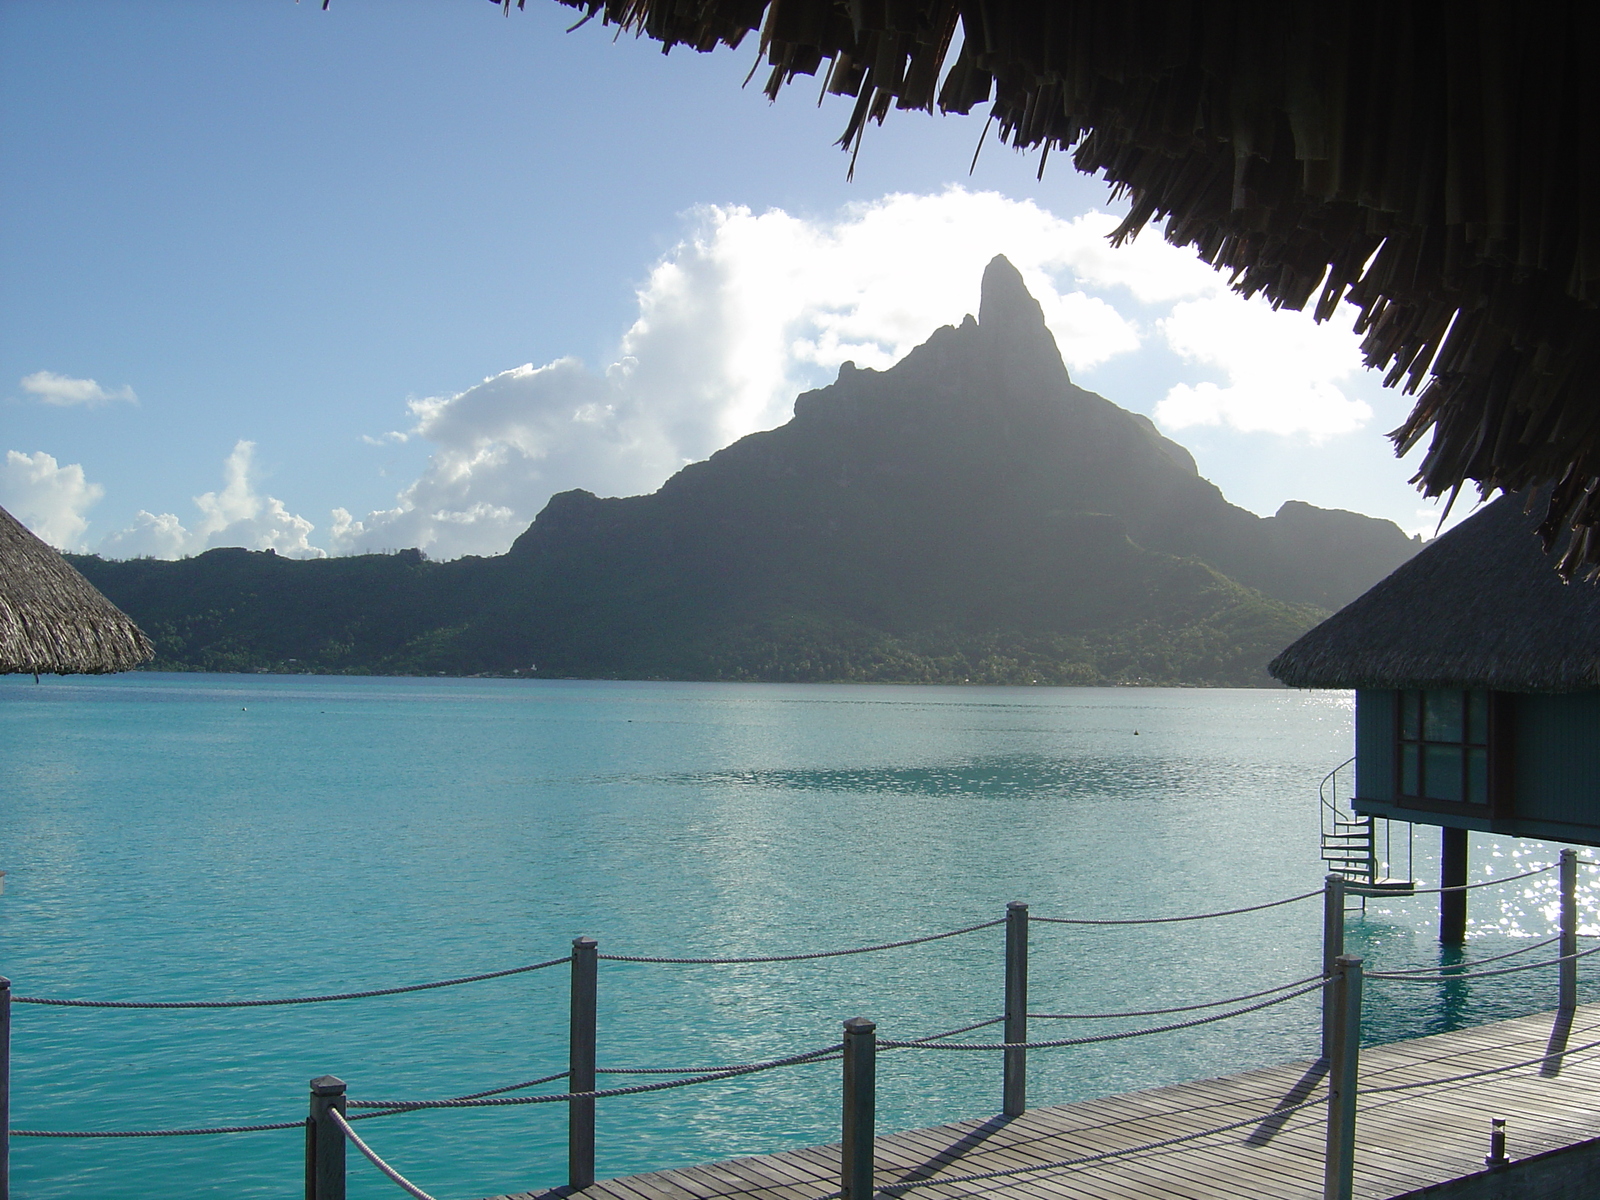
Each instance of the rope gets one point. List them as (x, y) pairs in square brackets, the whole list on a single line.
[(372, 1157), (742, 1066), (777, 958), (635, 1090), (1103, 1037), (510, 1087), (933, 1037), (394, 991), (1477, 962), (1227, 912), (1467, 887), (1161, 1012), (1403, 1087), (1549, 962), (693, 1070), (145, 1133), (1094, 1158)]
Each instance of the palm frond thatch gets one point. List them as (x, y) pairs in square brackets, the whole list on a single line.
[(52, 620), (1433, 162), (1479, 607)]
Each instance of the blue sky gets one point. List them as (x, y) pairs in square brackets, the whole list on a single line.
[(289, 247)]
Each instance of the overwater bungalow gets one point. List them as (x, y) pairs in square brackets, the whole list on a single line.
[(53, 621), (1477, 680)]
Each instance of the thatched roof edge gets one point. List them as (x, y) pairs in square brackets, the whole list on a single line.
[(1478, 607), (52, 620)]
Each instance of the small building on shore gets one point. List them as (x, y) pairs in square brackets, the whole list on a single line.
[(1477, 680)]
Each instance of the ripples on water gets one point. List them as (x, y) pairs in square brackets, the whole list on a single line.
[(220, 836)]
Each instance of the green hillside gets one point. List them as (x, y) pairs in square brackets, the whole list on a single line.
[(968, 515)]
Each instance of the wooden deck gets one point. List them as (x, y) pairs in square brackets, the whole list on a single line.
[(1404, 1140)]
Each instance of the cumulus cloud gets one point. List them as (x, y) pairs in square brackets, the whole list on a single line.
[(63, 391), (235, 515), (47, 497), (1283, 371), (744, 313), (749, 309)]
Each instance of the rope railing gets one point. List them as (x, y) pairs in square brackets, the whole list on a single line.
[(1161, 1012), (638, 1089), (371, 1155), (1410, 977), (780, 958), (494, 1091), (394, 991), (1092, 1039), (584, 1073), (1206, 916), (1482, 883), (639, 958), (1477, 962), (152, 1133)]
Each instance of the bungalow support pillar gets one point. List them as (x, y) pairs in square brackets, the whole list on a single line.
[(1452, 874)]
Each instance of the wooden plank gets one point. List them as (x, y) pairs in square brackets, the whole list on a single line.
[(1405, 1140)]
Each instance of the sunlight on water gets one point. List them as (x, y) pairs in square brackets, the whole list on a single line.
[(203, 837)]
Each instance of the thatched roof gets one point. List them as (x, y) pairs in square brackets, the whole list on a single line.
[(1479, 607), (1436, 162), (52, 620)]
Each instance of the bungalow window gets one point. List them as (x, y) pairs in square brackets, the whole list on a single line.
[(1444, 745)]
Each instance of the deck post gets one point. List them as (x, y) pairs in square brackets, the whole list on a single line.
[(325, 1141), (1569, 929), (1343, 1068), (1453, 874), (1015, 1093), (580, 1062), (1332, 948), (5, 1088), (860, 1109)]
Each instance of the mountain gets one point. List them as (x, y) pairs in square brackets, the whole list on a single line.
[(968, 514)]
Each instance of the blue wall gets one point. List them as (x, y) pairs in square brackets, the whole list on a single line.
[(1375, 745), (1557, 749)]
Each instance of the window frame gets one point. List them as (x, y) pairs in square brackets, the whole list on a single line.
[(1498, 779)]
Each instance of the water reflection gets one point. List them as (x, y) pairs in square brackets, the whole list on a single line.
[(1010, 776)]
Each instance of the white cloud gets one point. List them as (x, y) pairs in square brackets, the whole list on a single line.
[(747, 311), (50, 499), (235, 515), (1283, 371), (64, 391)]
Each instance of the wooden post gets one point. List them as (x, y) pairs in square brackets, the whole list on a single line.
[(1015, 1092), (325, 1141), (860, 1109), (580, 1062), (1453, 874), (1332, 948), (1339, 1158), (5, 1088), (1569, 930)]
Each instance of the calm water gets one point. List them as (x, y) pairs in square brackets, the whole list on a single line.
[(202, 837)]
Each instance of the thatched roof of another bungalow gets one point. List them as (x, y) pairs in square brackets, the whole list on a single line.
[(52, 620), (1435, 162), (1480, 607)]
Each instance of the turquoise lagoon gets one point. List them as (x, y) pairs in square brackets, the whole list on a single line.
[(205, 837)]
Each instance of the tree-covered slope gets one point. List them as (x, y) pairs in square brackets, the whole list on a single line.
[(967, 515)]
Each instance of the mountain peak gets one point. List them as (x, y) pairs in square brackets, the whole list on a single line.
[(1005, 298), (1013, 324)]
